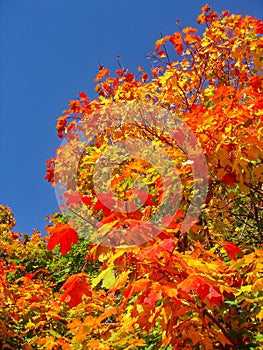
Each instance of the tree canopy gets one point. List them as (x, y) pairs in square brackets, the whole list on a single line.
[(158, 241)]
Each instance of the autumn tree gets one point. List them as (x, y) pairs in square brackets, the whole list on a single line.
[(185, 288), (158, 244)]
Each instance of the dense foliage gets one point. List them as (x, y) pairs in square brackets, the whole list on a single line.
[(199, 289)]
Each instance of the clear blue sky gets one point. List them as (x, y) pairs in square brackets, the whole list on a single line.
[(50, 51)]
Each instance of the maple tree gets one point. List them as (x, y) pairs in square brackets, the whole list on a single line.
[(117, 269)]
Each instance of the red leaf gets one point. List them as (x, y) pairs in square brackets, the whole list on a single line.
[(203, 290), (177, 42), (145, 77), (225, 13), (64, 235), (215, 296), (191, 283), (75, 287), (152, 252), (259, 27), (86, 200), (255, 83), (231, 250), (229, 179), (119, 72), (169, 220), (129, 77), (203, 287), (137, 286), (82, 94)]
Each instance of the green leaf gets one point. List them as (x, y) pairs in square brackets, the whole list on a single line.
[(259, 337)]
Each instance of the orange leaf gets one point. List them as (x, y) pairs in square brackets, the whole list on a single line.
[(61, 125), (177, 42), (206, 8), (102, 74), (160, 42), (75, 287), (94, 344)]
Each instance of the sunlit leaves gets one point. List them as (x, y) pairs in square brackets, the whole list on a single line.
[(190, 288), (179, 290)]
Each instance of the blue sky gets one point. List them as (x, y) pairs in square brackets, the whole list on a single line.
[(50, 51)]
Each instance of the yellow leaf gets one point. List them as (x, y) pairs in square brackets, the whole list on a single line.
[(260, 315), (258, 285), (107, 277)]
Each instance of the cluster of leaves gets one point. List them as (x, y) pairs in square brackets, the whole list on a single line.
[(202, 289)]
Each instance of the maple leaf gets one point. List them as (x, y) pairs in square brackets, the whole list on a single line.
[(145, 77), (259, 27), (50, 164), (255, 82), (107, 277), (129, 77), (214, 296), (75, 287), (206, 8), (119, 72), (170, 291), (231, 250), (62, 234), (177, 42), (203, 287), (155, 72), (61, 125), (137, 286), (82, 95), (102, 73)]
